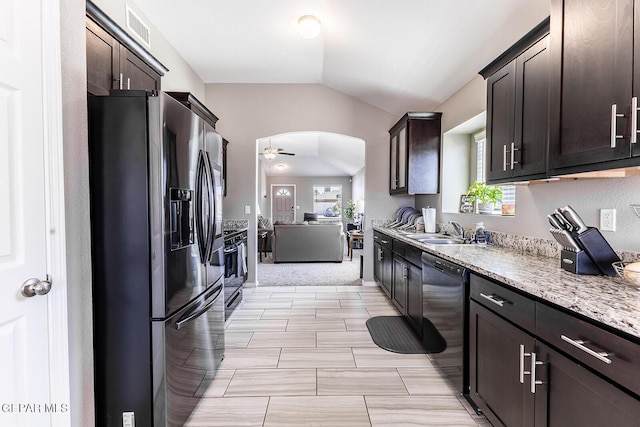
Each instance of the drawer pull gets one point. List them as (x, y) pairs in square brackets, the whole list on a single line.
[(491, 298), (384, 241), (581, 345)]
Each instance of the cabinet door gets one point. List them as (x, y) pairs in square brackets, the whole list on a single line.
[(501, 100), (414, 298), (494, 368), (136, 74), (402, 159), (571, 395), (400, 284), (529, 157), (393, 164), (378, 269), (387, 271), (103, 53), (593, 65)]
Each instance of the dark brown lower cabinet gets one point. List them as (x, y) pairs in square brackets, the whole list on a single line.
[(571, 395), (517, 380), (382, 268), (494, 368), (401, 272)]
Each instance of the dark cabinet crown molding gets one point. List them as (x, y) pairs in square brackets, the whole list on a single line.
[(415, 115), (195, 105), (95, 13), (541, 30)]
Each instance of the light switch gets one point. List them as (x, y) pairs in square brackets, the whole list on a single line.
[(247, 209)]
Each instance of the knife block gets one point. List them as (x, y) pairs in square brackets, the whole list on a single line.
[(578, 262), (598, 249)]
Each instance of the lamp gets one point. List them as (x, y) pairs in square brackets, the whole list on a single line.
[(308, 26), (359, 211)]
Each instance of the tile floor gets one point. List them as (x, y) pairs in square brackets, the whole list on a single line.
[(302, 356)]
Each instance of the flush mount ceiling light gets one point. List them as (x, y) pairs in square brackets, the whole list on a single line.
[(281, 166), (308, 26)]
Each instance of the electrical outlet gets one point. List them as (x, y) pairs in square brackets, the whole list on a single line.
[(607, 219)]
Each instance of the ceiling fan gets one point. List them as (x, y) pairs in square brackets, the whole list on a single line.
[(270, 152)]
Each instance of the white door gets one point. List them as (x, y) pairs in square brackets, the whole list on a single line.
[(283, 203), (26, 392)]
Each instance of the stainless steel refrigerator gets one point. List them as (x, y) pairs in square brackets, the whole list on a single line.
[(157, 257)]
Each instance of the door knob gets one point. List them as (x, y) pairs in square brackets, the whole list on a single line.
[(33, 287)]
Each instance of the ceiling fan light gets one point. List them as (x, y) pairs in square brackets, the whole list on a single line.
[(308, 26), (270, 153)]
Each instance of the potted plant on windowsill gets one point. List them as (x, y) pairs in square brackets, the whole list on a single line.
[(486, 195)]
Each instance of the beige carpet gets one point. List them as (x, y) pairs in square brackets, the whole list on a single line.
[(345, 273)]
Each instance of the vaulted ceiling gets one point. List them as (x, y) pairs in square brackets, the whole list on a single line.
[(400, 55)]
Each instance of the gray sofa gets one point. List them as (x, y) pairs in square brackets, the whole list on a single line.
[(308, 242)]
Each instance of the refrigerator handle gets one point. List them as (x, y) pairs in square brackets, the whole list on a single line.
[(200, 228), (188, 318), (212, 220)]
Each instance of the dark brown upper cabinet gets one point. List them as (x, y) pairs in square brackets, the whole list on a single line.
[(415, 154), (517, 109), (115, 60), (594, 85)]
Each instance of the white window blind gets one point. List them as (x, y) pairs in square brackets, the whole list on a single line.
[(480, 139)]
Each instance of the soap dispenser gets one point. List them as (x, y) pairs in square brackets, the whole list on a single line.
[(480, 235)]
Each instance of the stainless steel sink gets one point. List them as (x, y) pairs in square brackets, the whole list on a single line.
[(442, 241), (418, 236)]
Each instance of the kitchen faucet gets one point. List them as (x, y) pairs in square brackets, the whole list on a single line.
[(458, 228)]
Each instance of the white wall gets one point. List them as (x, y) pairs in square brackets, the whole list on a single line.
[(76, 188), (251, 111), (534, 202), (358, 185)]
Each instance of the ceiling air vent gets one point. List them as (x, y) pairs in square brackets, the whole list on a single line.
[(137, 27)]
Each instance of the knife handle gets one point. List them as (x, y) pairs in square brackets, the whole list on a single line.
[(554, 222), (566, 225), (572, 216)]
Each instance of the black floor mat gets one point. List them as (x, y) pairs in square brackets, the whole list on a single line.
[(393, 333)]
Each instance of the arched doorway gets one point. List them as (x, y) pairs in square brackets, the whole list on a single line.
[(302, 161)]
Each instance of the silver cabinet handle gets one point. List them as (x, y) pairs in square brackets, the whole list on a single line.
[(580, 344), (375, 237), (405, 273), (493, 300), (522, 356), (634, 120), (504, 157), (513, 154), (128, 83), (614, 125), (33, 287), (380, 255), (534, 381), (121, 78), (384, 241)]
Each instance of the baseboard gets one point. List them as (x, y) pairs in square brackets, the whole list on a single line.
[(250, 284), (366, 283)]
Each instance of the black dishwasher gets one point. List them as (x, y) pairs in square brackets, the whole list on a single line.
[(445, 296)]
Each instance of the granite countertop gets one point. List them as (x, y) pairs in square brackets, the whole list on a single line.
[(607, 300)]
